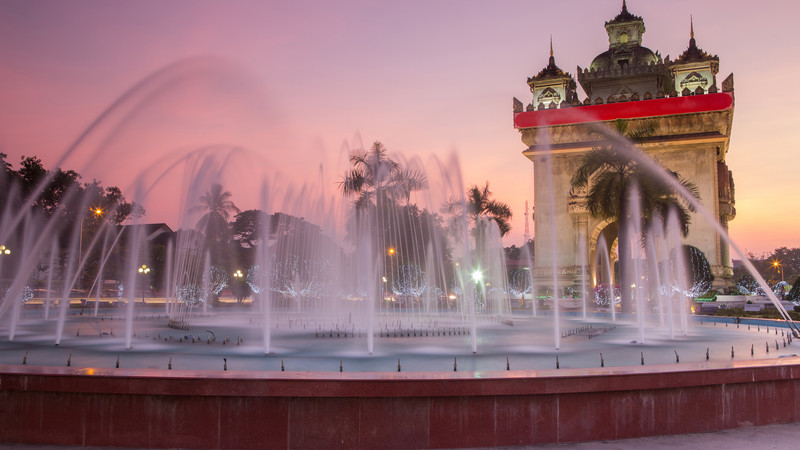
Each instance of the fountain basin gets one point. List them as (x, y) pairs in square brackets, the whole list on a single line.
[(243, 409), (369, 404)]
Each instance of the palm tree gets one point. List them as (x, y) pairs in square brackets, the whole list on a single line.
[(374, 178), (220, 208), (380, 185), (480, 208), (610, 172)]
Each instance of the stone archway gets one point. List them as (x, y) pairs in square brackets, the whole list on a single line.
[(607, 229)]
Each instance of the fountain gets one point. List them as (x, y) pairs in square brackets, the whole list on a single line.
[(372, 312)]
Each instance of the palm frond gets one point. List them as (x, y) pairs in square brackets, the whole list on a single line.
[(480, 206), (352, 183), (596, 160), (693, 189), (603, 198), (643, 131)]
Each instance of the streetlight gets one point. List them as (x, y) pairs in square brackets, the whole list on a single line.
[(778, 266), (238, 289), (98, 212), (391, 252), (144, 270), (4, 251), (477, 276)]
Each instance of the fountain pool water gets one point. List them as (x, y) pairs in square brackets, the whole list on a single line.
[(303, 344)]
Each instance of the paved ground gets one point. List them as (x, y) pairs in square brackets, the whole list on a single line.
[(785, 436)]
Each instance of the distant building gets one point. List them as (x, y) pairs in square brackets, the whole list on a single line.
[(693, 122), (154, 233)]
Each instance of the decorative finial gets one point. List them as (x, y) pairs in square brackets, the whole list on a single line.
[(691, 27), (624, 7), (551, 45)]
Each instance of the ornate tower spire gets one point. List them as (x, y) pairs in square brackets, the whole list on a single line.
[(625, 30), (695, 71), (552, 87)]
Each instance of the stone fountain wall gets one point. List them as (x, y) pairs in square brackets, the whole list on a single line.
[(160, 408)]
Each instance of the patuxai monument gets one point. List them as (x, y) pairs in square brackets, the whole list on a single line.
[(690, 118)]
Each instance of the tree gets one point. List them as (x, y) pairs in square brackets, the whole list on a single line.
[(794, 294), (64, 195), (520, 283), (374, 177), (381, 189), (781, 263), (610, 172), (219, 207), (240, 289), (788, 263), (480, 205), (697, 270), (524, 252), (59, 197), (215, 279), (7, 177), (480, 209), (410, 281), (248, 226), (112, 201)]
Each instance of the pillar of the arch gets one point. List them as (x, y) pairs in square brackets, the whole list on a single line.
[(581, 281)]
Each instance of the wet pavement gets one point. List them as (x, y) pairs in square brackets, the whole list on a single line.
[(783, 436)]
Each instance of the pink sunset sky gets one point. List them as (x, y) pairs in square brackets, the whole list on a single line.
[(300, 83)]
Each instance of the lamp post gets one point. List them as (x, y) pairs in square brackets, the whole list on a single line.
[(391, 251), (144, 270), (237, 288), (98, 212), (477, 276), (776, 264), (384, 291), (4, 251)]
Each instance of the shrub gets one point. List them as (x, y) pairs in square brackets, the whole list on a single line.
[(708, 296), (794, 294)]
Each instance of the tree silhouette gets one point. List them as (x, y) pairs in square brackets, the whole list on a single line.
[(480, 209), (219, 208), (480, 205), (375, 178)]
